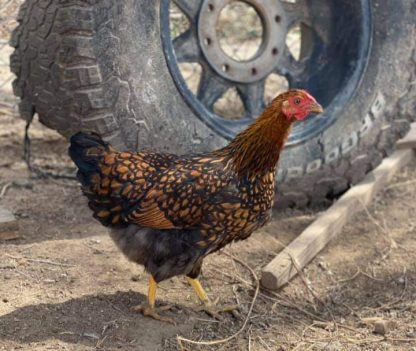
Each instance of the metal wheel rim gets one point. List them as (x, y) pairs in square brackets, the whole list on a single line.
[(333, 61)]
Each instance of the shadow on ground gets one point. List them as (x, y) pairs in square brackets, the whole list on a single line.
[(89, 320)]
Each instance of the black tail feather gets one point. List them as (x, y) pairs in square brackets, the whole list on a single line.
[(87, 150)]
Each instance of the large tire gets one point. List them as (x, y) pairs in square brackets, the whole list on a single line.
[(100, 65)]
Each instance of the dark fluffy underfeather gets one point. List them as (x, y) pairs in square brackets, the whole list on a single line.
[(163, 253)]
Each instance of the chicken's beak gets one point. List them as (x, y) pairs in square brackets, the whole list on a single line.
[(316, 108)]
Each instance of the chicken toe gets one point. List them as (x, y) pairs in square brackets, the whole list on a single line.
[(213, 310), (152, 311)]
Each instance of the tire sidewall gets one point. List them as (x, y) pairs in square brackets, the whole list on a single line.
[(355, 135)]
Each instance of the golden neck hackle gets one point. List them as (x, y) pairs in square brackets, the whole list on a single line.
[(256, 150)]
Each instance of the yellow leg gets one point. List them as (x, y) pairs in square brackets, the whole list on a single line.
[(151, 293), (196, 285), (207, 306), (149, 308)]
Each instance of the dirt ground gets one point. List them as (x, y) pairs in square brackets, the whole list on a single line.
[(65, 286)]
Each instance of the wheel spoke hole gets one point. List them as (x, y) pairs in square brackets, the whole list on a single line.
[(178, 22), (294, 41), (191, 73), (239, 31), (229, 105), (274, 85)]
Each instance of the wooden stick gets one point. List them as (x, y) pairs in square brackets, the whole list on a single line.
[(317, 235)]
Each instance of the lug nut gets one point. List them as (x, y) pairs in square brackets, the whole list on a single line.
[(225, 67)]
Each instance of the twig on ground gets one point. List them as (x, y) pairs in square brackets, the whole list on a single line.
[(24, 274), (396, 185), (264, 343), (51, 263), (236, 296), (288, 303), (401, 339), (249, 339), (115, 307), (365, 341), (393, 244), (4, 189), (100, 342), (235, 277), (303, 278), (353, 312), (371, 277), (356, 274), (206, 320), (181, 339), (41, 261)]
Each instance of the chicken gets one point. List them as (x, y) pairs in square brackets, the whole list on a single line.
[(168, 212)]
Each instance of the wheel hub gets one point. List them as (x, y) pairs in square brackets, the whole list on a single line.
[(263, 62)]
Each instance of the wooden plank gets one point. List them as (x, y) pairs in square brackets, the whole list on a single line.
[(317, 235), (409, 141), (9, 227)]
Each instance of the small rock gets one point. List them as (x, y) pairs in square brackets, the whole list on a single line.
[(22, 215), (323, 265), (136, 277), (382, 327), (411, 335)]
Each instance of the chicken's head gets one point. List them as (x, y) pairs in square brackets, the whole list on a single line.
[(298, 104)]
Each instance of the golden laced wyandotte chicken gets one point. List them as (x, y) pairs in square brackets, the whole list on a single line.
[(167, 212)]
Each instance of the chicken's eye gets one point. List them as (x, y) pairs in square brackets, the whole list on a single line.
[(296, 101)]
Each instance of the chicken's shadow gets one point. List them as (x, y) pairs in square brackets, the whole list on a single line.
[(89, 320)]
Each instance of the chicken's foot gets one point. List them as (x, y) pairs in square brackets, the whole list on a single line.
[(152, 311), (149, 309), (207, 306)]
